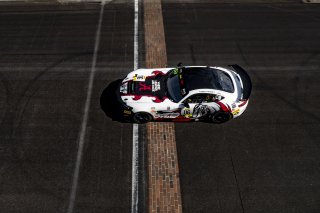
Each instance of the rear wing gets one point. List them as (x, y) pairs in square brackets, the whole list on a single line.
[(246, 81)]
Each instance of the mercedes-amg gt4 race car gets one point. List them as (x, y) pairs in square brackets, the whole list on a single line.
[(182, 94)]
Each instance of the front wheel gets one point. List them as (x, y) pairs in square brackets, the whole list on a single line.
[(142, 117), (220, 117)]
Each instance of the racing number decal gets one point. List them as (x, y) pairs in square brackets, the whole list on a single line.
[(186, 112)]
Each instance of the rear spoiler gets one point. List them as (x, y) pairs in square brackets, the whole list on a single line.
[(246, 81)]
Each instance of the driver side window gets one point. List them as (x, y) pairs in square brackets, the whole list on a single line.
[(197, 98), (202, 98)]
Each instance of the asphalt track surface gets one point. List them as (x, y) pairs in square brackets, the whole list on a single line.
[(46, 56), (268, 160)]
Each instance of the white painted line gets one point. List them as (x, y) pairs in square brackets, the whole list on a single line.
[(136, 34), (72, 1), (83, 129), (311, 1), (135, 159), (135, 134)]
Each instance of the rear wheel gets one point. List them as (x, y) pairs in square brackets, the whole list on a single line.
[(142, 117)]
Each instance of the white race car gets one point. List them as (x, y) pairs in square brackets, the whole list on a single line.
[(182, 94)]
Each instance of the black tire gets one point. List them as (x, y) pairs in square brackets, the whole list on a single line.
[(142, 117), (220, 117)]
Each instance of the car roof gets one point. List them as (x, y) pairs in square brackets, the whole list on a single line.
[(206, 78)]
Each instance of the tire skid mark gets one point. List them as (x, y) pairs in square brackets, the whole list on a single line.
[(15, 117)]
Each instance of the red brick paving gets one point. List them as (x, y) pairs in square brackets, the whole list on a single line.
[(163, 171)]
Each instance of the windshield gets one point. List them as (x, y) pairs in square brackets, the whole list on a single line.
[(223, 81), (173, 87), (206, 78)]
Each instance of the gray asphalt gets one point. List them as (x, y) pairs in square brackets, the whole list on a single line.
[(46, 54), (268, 160)]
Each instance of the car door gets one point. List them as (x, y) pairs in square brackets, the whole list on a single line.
[(199, 105), (167, 110)]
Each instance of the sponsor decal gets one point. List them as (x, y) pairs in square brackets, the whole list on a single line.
[(155, 86), (124, 88), (137, 77), (168, 115), (236, 111), (127, 112), (144, 87), (175, 71)]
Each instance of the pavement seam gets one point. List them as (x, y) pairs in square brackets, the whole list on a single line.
[(237, 183), (163, 172)]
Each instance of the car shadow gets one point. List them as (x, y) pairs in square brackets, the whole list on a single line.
[(111, 105)]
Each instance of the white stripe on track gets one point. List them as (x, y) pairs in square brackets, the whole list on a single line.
[(135, 134), (83, 129)]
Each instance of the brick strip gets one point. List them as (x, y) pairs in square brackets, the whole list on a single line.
[(163, 172)]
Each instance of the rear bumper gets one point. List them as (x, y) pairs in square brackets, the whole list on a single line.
[(125, 110), (112, 104)]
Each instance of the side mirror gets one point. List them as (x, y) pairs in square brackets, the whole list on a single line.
[(186, 105)]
